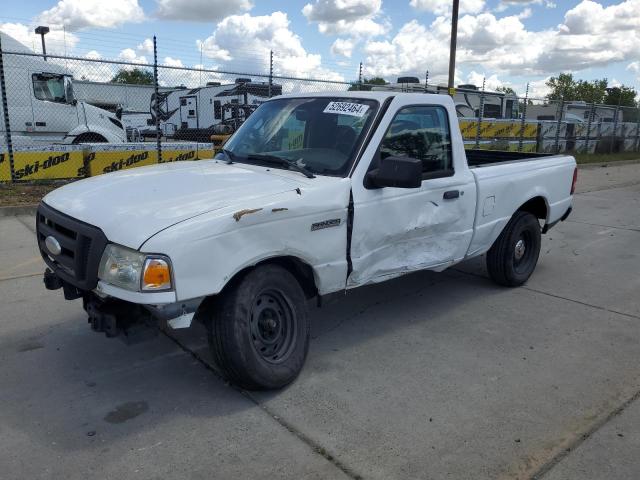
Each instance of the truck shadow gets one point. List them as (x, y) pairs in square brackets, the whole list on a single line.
[(71, 389)]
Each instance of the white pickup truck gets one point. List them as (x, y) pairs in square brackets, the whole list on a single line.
[(314, 194)]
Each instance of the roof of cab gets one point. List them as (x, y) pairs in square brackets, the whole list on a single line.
[(381, 96)]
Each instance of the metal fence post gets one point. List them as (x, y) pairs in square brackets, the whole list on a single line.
[(157, 104), (592, 114), (5, 109), (560, 115), (615, 125), (637, 148), (270, 71), (523, 119), (480, 115)]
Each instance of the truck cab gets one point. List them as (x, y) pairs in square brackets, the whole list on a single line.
[(42, 106)]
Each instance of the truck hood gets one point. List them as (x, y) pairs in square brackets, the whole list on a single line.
[(132, 205)]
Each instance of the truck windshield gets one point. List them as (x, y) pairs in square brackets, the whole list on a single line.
[(319, 134)]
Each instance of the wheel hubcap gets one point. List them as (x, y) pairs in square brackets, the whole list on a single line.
[(520, 249), (272, 326)]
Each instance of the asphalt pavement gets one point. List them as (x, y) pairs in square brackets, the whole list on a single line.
[(428, 376)]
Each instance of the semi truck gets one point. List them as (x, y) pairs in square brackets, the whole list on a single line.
[(42, 106), (315, 194)]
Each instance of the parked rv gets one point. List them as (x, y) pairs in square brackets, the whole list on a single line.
[(42, 105), (198, 113), (467, 98)]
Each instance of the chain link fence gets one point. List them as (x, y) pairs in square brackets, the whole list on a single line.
[(67, 117)]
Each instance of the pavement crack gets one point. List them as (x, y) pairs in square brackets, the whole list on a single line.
[(559, 297), (312, 444), (581, 437), (31, 227), (629, 229)]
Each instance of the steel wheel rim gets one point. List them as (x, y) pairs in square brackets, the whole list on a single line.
[(272, 325), (523, 252)]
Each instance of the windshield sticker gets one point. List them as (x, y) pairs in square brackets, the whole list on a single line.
[(347, 108)]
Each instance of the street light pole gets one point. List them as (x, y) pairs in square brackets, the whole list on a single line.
[(452, 52), (42, 31)]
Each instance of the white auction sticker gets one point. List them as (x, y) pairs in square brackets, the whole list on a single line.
[(347, 108)]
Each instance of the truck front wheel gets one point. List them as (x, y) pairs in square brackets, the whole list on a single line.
[(259, 329), (513, 257)]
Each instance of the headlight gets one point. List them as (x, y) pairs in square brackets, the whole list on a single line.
[(132, 270)]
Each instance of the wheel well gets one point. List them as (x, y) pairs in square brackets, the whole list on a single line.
[(90, 137), (536, 206), (299, 269)]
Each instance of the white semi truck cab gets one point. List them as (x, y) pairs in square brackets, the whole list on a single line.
[(314, 194), (42, 107)]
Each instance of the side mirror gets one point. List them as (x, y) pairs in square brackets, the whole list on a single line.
[(398, 172), (119, 112)]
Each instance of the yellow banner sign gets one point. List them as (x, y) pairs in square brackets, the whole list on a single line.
[(42, 165)]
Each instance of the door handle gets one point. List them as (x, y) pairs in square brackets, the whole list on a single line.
[(451, 194)]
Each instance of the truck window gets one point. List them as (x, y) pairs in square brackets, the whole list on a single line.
[(322, 134), (49, 87), (421, 132)]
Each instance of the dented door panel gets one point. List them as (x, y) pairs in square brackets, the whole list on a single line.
[(400, 230)]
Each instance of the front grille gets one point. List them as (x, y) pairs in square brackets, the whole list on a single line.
[(81, 247)]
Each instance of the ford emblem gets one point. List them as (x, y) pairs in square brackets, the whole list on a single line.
[(53, 245)]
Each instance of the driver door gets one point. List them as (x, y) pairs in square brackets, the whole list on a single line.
[(397, 230), (53, 110)]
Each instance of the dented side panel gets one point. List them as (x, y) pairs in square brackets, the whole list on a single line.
[(308, 223), (400, 230)]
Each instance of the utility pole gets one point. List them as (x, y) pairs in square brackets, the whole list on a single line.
[(42, 31), (452, 52)]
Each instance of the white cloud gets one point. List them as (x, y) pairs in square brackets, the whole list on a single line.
[(591, 35), (342, 46), (130, 55), (443, 7), (355, 18), (57, 41), (145, 47), (201, 10), (491, 82), (243, 43), (79, 14), (331, 11)]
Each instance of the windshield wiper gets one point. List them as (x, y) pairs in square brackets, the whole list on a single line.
[(290, 164), (230, 155)]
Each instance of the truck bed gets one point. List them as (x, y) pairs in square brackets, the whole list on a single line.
[(481, 158)]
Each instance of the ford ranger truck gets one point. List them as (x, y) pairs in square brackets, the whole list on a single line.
[(314, 194)]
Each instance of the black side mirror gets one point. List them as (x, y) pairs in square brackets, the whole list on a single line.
[(119, 112), (399, 172)]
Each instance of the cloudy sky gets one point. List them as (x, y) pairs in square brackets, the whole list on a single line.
[(510, 42)]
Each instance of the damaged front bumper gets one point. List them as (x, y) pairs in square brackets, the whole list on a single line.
[(120, 313)]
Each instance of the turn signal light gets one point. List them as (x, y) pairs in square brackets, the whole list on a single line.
[(156, 275)]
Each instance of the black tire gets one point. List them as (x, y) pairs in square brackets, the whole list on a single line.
[(259, 329), (89, 138), (508, 263)]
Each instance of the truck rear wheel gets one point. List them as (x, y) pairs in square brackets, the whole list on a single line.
[(513, 257), (259, 329)]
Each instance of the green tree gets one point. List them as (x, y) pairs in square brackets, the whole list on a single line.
[(504, 89), (367, 82), (565, 86), (136, 76), (623, 96)]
